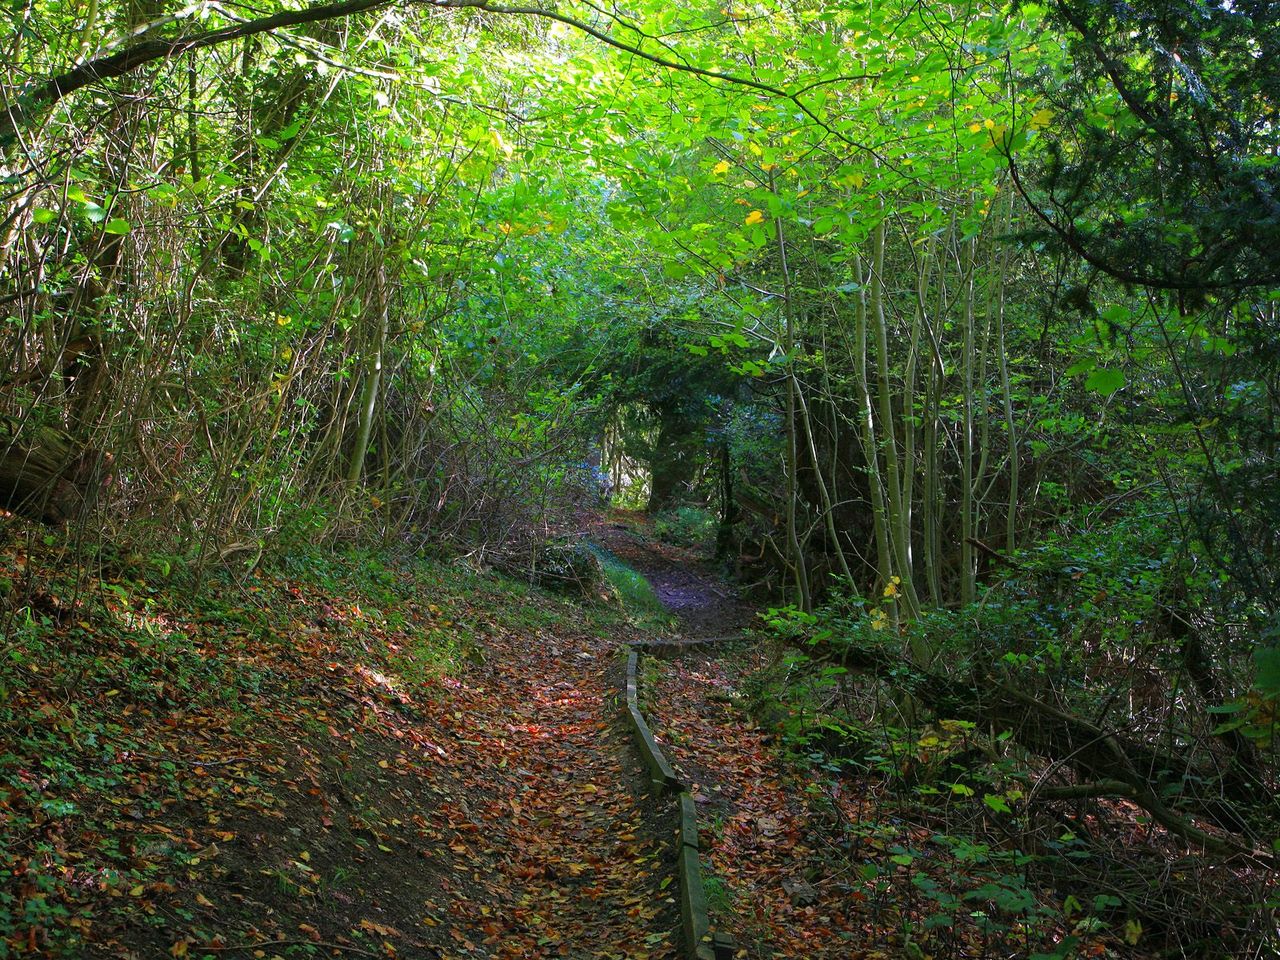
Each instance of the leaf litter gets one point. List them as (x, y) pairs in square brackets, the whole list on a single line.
[(276, 766)]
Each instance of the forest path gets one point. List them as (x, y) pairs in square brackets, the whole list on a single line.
[(566, 841), (689, 585), (567, 846), (764, 854)]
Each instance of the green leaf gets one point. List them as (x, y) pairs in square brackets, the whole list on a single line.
[(996, 802), (117, 226), (1117, 313), (1267, 663), (1104, 381), (1082, 366)]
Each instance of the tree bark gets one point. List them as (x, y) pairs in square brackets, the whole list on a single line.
[(46, 475)]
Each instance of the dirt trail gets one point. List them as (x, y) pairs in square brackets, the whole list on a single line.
[(562, 836), (685, 581), (761, 847), (567, 842)]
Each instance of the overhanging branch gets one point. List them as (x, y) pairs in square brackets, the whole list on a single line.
[(34, 101)]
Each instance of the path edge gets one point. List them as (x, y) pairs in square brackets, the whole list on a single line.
[(695, 921)]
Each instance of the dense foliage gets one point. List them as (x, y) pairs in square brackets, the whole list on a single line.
[(953, 327)]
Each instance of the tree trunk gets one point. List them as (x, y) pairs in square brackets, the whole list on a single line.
[(675, 458), (372, 374), (45, 475)]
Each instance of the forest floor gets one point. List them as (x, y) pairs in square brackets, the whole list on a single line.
[(335, 758), (804, 856), (341, 756)]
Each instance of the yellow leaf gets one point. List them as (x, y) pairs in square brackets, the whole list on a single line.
[(754, 217), (975, 128), (755, 148), (1132, 932), (500, 144), (136, 891), (721, 167), (988, 123), (1041, 118)]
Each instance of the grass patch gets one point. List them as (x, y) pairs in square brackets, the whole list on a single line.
[(636, 593), (719, 897)]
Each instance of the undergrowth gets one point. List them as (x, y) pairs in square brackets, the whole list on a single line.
[(950, 824), (685, 526)]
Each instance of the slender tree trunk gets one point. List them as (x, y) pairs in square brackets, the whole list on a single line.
[(828, 508), (867, 431), (372, 375), (799, 567), (1002, 358), (899, 531), (968, 583), (911, 422)]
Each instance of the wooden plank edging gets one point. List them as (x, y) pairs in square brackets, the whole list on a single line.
[(695, 921), (659, 768), (693, 906)]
